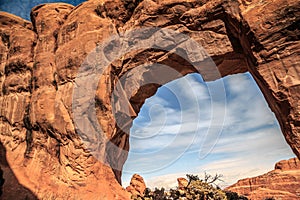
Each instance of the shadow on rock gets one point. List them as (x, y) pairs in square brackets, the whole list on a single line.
[(10, 188)]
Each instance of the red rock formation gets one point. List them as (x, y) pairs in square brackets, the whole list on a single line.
[(40, 62), (137, 185), (182, 183), (11, 189), (285, 165), (281, 183), (1, 181)]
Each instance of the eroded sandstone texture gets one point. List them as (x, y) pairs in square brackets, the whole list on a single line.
[(137, 185), (281, 183), (40, 61)]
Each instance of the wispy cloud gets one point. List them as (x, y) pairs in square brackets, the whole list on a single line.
[(184, 129)]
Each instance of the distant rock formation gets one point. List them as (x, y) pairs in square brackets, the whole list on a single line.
[(137, 185), (182, 183), (40, 60), (281, 183), (286, 165)]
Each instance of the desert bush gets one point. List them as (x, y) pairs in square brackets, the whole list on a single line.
[(197, 189), (234, 196)]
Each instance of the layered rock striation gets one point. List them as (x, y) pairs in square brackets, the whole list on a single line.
[(81, 155), (281, 183)]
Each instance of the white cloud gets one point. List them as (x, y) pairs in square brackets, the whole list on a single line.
[(167, 181), (237, 136)]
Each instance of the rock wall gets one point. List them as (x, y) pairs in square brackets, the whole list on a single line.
[(281, 183), (1, 181), (40, 62)]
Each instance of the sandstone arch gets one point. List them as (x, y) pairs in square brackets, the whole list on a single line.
[(39, 62)]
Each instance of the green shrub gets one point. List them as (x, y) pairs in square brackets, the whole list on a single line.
[(196, 189)]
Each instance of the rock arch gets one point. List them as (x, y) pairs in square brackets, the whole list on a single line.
[(40, 60)]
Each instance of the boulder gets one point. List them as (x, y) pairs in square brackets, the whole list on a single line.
[(137, 185), (182, 183)]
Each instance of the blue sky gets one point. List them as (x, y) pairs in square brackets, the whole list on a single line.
[(22, 8), (174, 133), (183, 130)]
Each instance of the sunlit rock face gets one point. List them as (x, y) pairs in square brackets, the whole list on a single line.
[(281, 183), (182, 183), (137, 185), (40, 61)]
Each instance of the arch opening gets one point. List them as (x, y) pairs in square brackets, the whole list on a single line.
[(170, 138)]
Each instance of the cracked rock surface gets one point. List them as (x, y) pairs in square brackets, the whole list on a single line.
[(40, 61)]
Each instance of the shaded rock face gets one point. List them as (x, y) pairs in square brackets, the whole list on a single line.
[(281, 183), (1, 181), (40, 62), (137, 185), (10, 186)]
